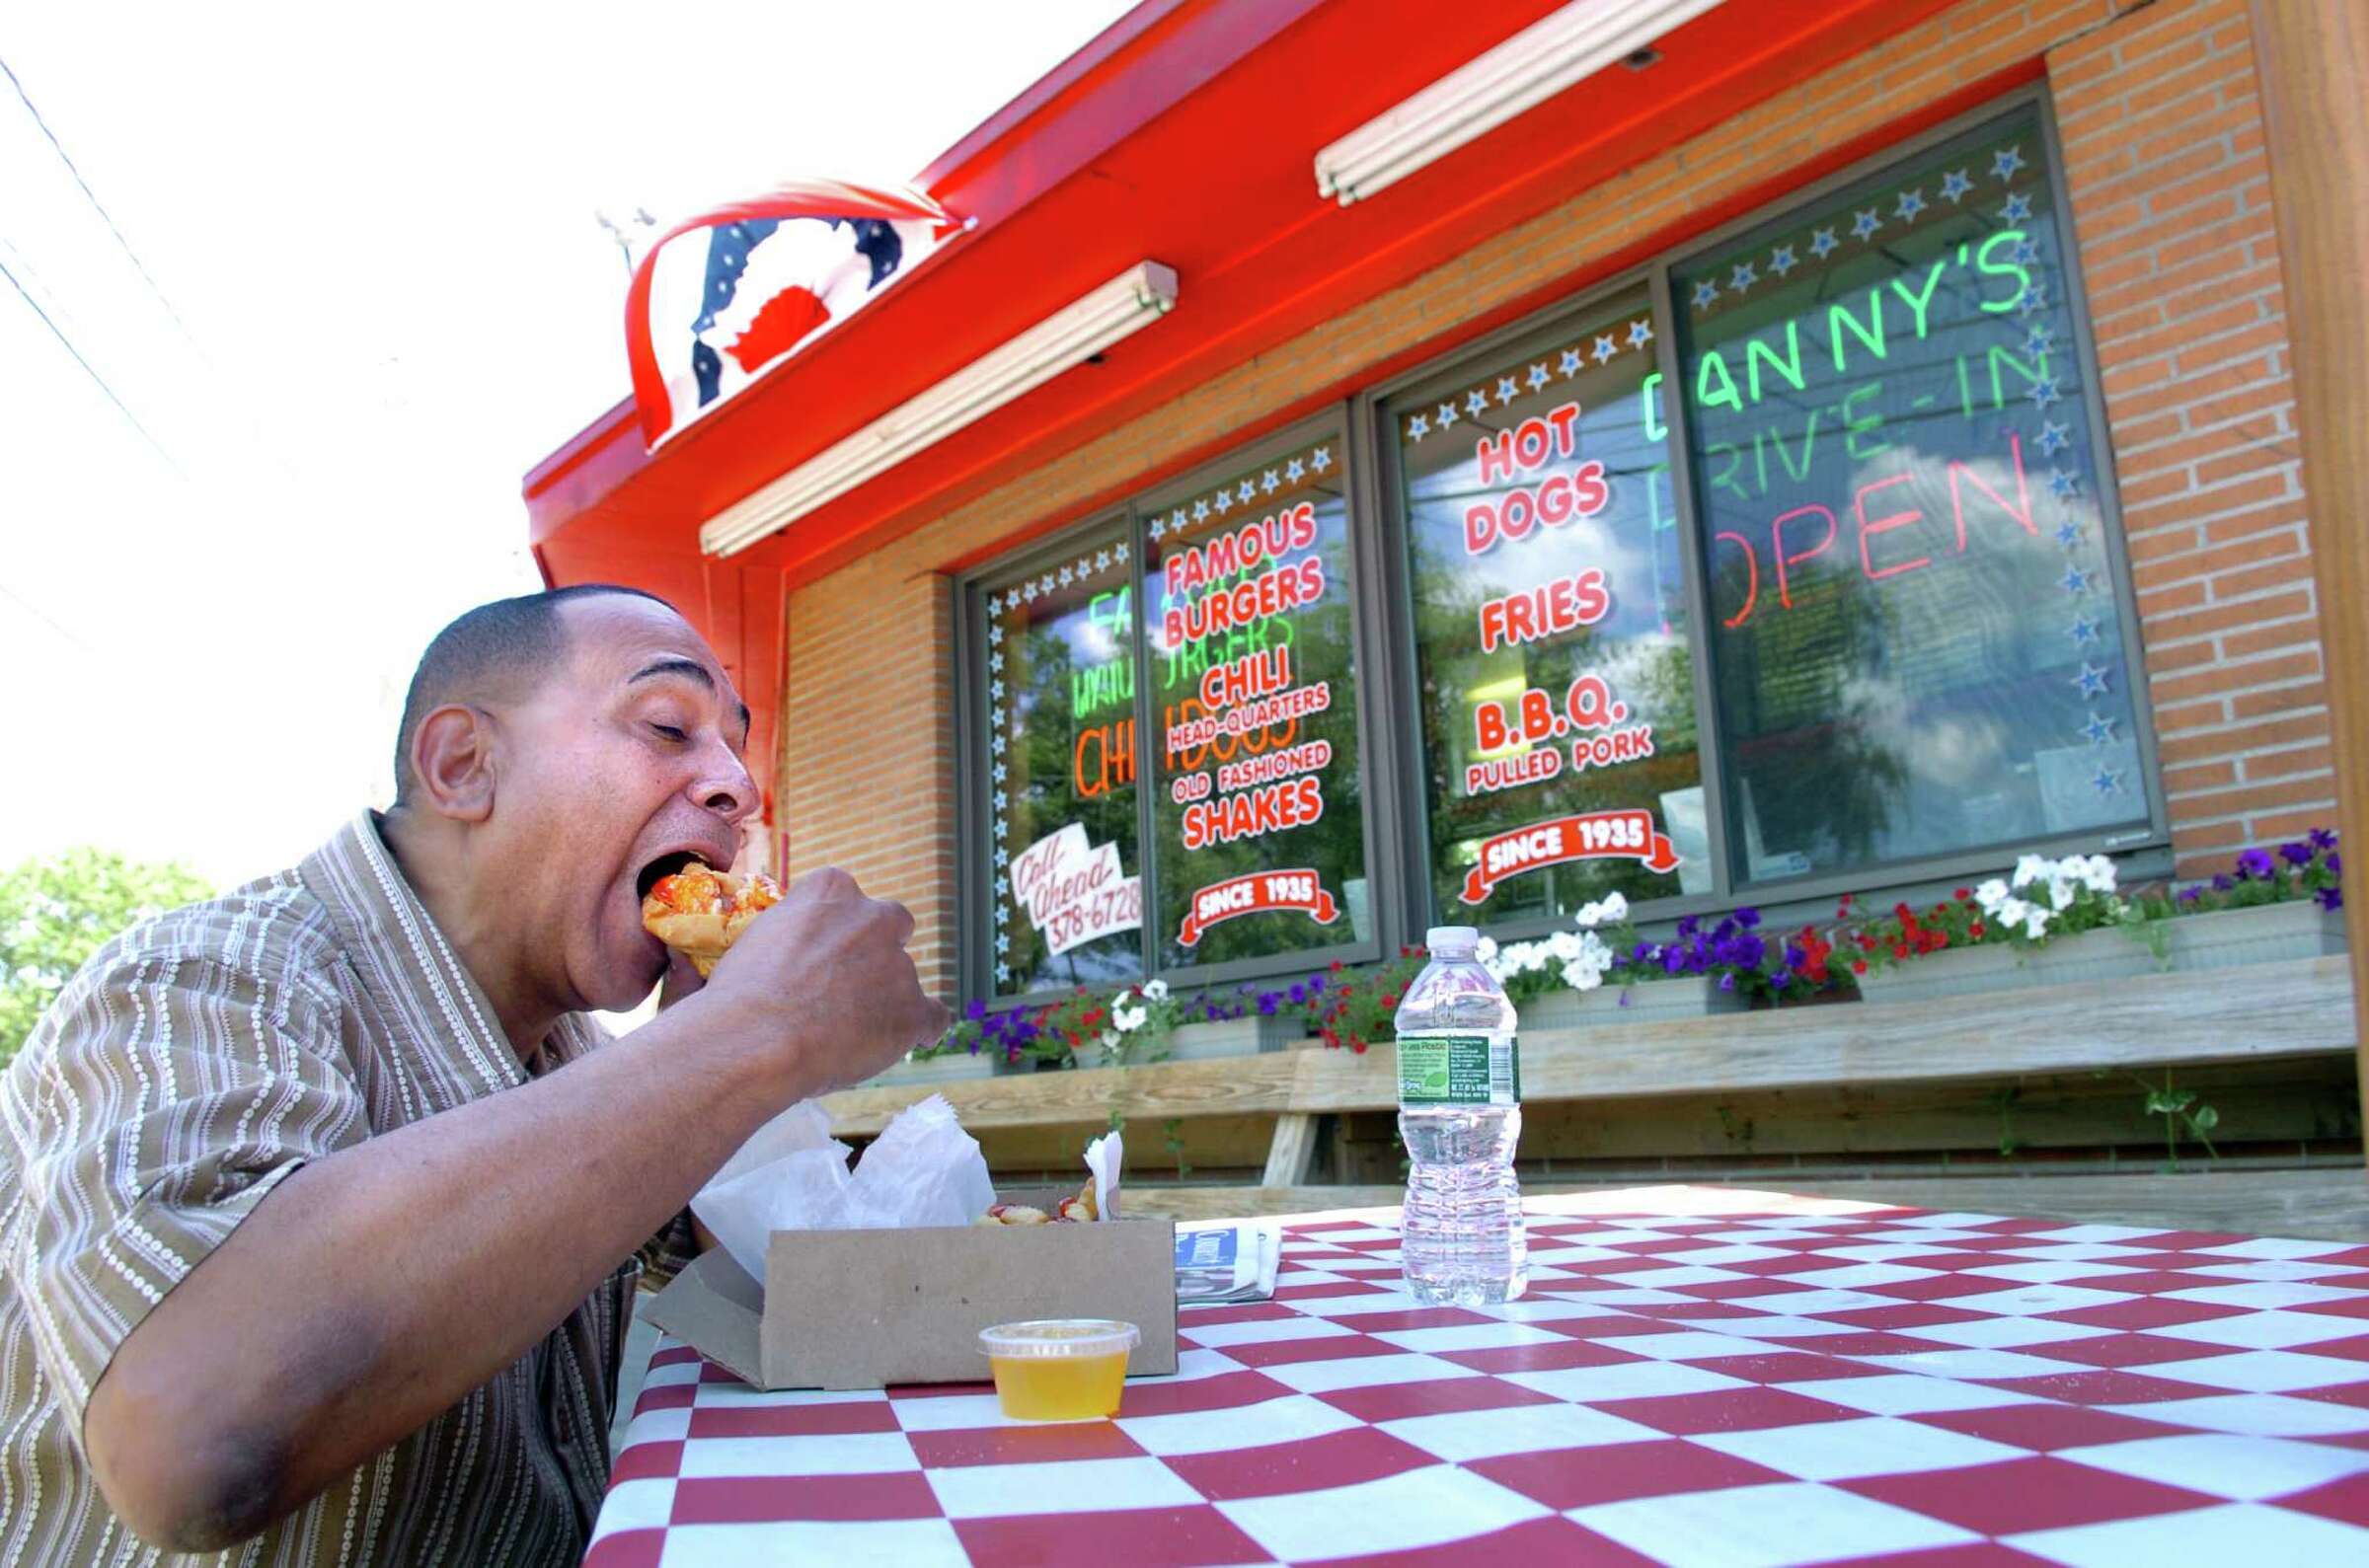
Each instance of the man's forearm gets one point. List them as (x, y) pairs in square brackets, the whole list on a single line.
[(373, 1289)]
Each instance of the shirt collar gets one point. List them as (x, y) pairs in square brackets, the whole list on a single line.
[(402, 957)]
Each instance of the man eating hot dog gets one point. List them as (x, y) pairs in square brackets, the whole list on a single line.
[(321, 1203)]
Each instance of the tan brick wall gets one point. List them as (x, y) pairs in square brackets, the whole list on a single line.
[(2169, 198)]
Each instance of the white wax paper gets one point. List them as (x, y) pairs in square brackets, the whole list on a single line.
[(923, 1169)]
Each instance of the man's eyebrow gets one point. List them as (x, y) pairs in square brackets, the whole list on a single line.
[(689, 669)]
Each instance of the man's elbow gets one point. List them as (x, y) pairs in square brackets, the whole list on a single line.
[(189, 1486)]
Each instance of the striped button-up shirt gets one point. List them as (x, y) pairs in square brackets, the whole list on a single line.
[(191, 1065)]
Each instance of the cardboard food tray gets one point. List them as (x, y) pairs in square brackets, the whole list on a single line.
[(863, 1309)]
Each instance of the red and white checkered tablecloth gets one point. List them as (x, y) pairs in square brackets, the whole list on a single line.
[(1698, 1377)]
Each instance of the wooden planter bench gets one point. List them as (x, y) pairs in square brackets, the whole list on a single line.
[(2295, 1008)]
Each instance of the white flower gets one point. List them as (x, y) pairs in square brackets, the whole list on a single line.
[(1990, 895), (1486, 950), (1582, 977), (1155, 991), (1565, 946), (2095, 872), (1616, 906), (1129, 1019), (2037, 926), (2060, 892), (1109, 1041)]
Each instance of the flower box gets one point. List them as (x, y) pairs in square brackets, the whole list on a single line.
[(2264, 934), (939, 1069), (2225, 938), (1248, 1036), (1687, 996)]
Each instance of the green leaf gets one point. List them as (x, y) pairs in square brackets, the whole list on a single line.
[(56, 911), (2205, 1119)]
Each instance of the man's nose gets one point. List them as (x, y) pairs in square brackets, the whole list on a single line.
[(726, 789)]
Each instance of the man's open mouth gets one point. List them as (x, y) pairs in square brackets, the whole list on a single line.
[(664, 867)]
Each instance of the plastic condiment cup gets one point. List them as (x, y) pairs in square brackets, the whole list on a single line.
[(1059, 1369)]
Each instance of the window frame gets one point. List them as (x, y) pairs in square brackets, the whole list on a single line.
[(1332, 421), (1390, 765)]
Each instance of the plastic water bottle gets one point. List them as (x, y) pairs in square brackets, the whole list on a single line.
[(1460, 1115)]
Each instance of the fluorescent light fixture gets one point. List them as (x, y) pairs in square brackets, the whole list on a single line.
[(1560, 49), (1078, 331)]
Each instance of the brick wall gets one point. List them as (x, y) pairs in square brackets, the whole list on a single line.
[(2170, 208)]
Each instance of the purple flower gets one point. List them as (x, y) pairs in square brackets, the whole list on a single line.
[(2322, 837), (1794, 957), (2256, 866), (2190, 895), (1689, 927), (975, 1012), (2295, 854), (1625, 997), (1316, 983), (2330, 898), (1673, 959), (1747, 918), (1781, 978), (2334, 863), (1299, 995), (2222, 882), (1266, 1004), (1727, 982)]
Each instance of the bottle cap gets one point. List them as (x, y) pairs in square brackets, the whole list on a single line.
[(1059, 1338), (1453, 939)]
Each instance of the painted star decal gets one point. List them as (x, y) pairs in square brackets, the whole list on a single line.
[(999, 772), (2083, 631), (2017, 208), (1003, 974), (1822, 243), (1572, 361), (1102, 560), (1912, 202), (1506, 389), (2075, 581), (2106, 782), (1640, 333), (1705, 292), (1068, 576), (1418, 427), (1477, 401), (1271, 482), (1244, 491), (1045, 584), (2063, 485), (1118, 552), (1866, 223), (2026, 254), (995, 604), (2035, 300), (1028, 591), (1225, 499), (1321, 458), (1002, 857), (1605, 348), (1781, 261), (995, 659), (1954, 185), (1003, 942), (2006, 161), (1156, 528), (1742, 276), (2054, 437), (2068, 533), (1444, 415), (2100, 729), (2044, 393), (2038, 340), (1539, 376), (1001, 800), (2090, 679), (995, 690)]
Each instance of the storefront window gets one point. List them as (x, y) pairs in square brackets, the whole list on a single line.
[(1259, 819), (1551, 629), (1060, 761), (1915, 638)]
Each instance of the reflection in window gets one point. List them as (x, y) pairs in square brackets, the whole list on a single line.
[(1261, 828), (1060, 760), (1915, 644), (1551, 629)]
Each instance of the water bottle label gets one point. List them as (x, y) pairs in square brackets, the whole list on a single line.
[(1459, 1070)]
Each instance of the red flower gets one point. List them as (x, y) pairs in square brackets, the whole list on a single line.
[(1976, 931), (1335, 966), (1859, 966), (1962, 894), (1358, 1043), (1899, 949), (1391, 1000)]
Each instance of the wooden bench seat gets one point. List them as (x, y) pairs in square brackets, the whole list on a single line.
[(2300, 1008)]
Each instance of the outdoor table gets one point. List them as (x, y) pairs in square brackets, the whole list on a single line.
[(1697, 1375)]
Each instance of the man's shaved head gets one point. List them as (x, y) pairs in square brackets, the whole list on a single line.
[(496, 651)]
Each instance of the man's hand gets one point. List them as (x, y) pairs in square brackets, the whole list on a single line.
[(823, 985)]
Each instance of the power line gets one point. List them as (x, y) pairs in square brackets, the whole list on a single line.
[(89, 370), (99, 208)]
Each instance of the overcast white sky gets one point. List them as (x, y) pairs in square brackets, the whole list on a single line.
[(376, 232)]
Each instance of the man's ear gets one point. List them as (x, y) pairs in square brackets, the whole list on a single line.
[(452, 752)]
